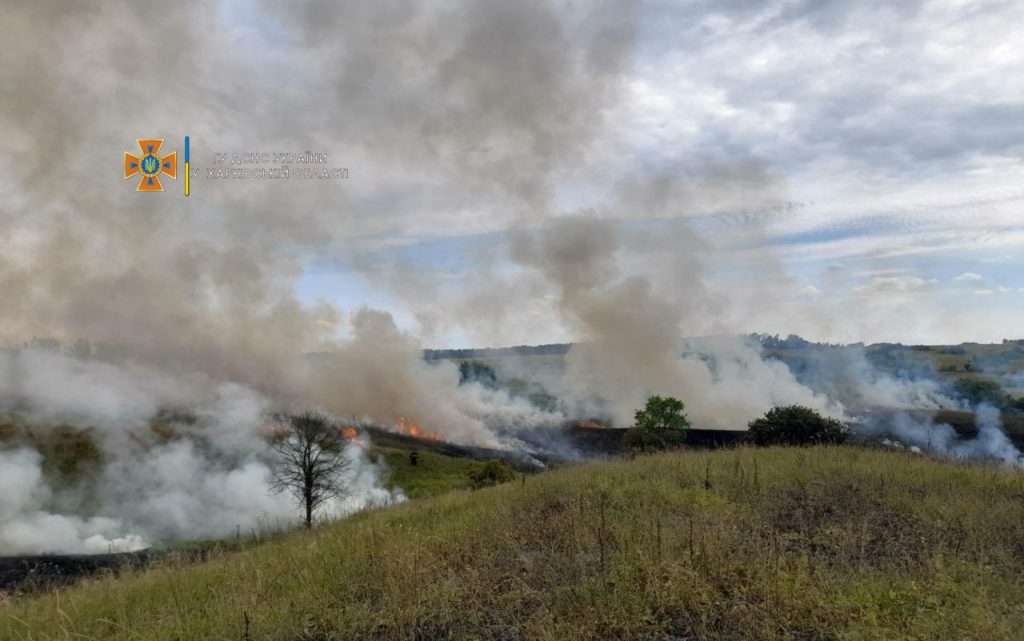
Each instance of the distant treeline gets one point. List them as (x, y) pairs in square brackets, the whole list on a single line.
[(774, 341), (768, 341), (494, 352)]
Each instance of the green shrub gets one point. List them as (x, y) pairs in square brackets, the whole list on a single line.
[(795, 425), (982, 390), (660, 425), (477, 372), (490, 473)]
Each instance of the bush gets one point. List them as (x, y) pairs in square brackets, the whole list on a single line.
[(477, 372), (795, 425), (490, 473), (982, 390), (660, 425)]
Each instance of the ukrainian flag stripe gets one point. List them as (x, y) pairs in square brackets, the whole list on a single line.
[(186, 166)]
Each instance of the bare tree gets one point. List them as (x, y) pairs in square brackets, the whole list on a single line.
[(311, 464)]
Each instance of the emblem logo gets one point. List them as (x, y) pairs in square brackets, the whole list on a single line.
[(150, 165)]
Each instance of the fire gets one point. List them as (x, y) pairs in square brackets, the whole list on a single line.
[(408, 428), (589, 425), (351, 434)]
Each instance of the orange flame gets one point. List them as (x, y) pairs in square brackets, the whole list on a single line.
[(589, 425), (351, 434), (278, 431), (408, 428)]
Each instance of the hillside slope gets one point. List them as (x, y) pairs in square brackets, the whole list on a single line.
[(843, 543)]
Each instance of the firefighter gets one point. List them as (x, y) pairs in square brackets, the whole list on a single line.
[(414, 457)]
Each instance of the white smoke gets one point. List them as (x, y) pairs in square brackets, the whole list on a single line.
[(26, 526), (919, 432), (846, 375), (53, 388), (1015, 380), (205, 474)]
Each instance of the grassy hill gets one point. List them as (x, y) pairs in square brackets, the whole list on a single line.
[(441, 467), (842, 543)]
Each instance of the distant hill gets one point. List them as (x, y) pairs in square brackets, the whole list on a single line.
[(962, 368)]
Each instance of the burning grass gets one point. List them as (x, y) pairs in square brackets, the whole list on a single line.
[(824, 543), (408, 428)]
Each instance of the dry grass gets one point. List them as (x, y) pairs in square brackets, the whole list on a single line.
[(802, 544)]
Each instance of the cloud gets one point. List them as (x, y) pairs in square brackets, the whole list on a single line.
[(895, 284), (873, 83), (968, 277)]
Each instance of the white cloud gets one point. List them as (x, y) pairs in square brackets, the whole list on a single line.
[(968, 277), (895, 284)]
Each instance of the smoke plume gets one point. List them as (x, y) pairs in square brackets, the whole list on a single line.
[(632, 333), (921, 433), (191, 305)]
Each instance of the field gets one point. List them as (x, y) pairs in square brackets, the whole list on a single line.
[(827, 543)]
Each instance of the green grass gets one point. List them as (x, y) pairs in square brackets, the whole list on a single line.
[(843, 544), (433, 474)]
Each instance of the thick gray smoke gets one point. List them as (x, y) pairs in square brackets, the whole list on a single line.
[(631, 333), (491, 101), (192, 304), (380, 374)]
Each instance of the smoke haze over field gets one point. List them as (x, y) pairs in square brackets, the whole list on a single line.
[(206, 475), (922, 434), (616, 174)]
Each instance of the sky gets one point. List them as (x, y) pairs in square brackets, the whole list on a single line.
[(893, 132), (846, 171)]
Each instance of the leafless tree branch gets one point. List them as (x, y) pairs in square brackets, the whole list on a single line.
[(311, 462)]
